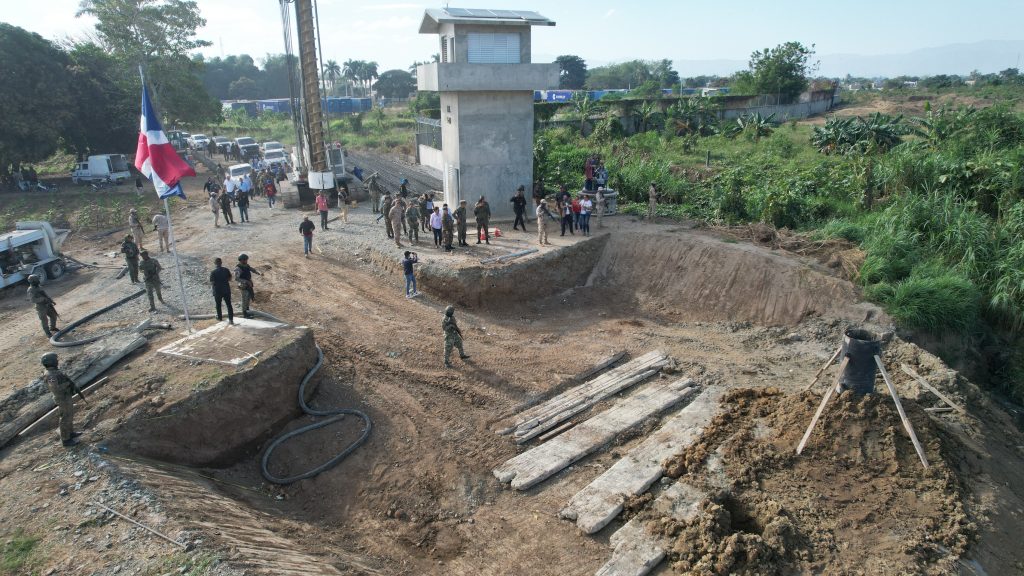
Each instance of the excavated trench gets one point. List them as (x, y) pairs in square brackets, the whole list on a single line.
[(683, 275), (225, 424)]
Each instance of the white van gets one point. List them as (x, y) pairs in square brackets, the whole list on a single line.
[(110, 167)]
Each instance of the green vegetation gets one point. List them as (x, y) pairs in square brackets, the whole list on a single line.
[(17, 555), (934, 201)]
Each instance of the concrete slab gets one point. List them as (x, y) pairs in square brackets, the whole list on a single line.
[(226, 344)]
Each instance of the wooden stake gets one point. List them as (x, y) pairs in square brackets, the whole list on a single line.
[(824, 367), (903, 415), (143, 526), (824, 401), (920, 380)]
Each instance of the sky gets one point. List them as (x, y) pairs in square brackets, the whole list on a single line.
[(600, 31)]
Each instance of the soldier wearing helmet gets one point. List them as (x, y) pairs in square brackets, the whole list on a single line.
[(452, 336), (243, 275), (63, 389), (45, 306)]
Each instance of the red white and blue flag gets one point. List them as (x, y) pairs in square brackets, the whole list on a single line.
[(156, 157)]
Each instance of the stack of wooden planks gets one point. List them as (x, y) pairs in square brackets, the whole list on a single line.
[(543, 417), (537, 464)]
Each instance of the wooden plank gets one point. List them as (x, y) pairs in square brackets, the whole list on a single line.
[(823, 368), (821, 407), (546, 416), (633, 366), (563, 384), (525, 435), (903, 415), (920, 380), (635, 551), (599, 502), (537, 464)]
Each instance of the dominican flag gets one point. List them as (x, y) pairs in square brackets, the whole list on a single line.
[(155, 157)]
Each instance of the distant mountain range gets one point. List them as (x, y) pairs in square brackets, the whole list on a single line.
[(986, 57)]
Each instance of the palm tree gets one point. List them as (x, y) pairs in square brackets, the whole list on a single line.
[(350, 70), (332, 71), (646, 114), (369, 74), (585, 107)]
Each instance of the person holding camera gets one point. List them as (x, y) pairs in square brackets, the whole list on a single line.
[(410, 259)]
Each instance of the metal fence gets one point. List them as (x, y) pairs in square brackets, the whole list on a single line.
[(428, 132)]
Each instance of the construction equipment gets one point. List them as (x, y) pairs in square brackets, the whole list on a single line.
[(312, 167), (33, 248)]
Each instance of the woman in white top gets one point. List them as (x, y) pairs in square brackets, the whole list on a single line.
[(586, 206)]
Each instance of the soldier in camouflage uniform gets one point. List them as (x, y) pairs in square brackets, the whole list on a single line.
[(447, 227), (131, 258), (374, 189), (63, 390), (452, 336), (385, 208), (460, 222), (45, 306), (412, 218), (243, 276), (151, 274), (396, 215)]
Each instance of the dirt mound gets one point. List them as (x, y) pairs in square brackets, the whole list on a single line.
[(857, 500), (704, 278)]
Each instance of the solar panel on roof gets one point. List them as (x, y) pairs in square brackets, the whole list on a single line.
[(528, 15), (495, 14)]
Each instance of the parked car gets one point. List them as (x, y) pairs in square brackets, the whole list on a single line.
[(223, 144), (272, 157), (268, 146), (247, 147), (238, 170), (199, 141), (109, 167)]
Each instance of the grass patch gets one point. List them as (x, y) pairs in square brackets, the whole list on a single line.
[(939, 304), (18, 553)]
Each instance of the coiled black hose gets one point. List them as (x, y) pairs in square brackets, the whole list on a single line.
[(55, 339), (335, 415)]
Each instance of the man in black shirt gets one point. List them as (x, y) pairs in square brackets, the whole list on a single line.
[(220, 278), (519, 207)]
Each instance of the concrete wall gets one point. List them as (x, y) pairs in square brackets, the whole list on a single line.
[(462, 77), (782, 112), (432, 157), (494, 156)]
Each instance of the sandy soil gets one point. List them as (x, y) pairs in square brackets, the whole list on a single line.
[(419, 498)]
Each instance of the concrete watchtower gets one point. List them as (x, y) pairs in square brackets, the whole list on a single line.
[(486, 83)]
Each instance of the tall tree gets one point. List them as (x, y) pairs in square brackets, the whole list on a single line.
[(395, 84), (368, 74), (34, 94), (573, 72), (158, 35), (332, 71), (351, 69), (782, 70), (105, 109)]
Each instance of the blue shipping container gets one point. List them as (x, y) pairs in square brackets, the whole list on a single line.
[(537, 96), (365, 105), (559, 95)]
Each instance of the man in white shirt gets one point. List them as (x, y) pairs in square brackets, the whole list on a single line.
[(160, 225)]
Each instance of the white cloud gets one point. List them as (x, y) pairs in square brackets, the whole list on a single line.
[(609, 13)]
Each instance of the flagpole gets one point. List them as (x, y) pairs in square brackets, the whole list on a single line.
[(170, 240), (177, 265)]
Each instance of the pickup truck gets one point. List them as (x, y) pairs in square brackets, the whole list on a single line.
[(199, 141), (247, 147), (223, 144)]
